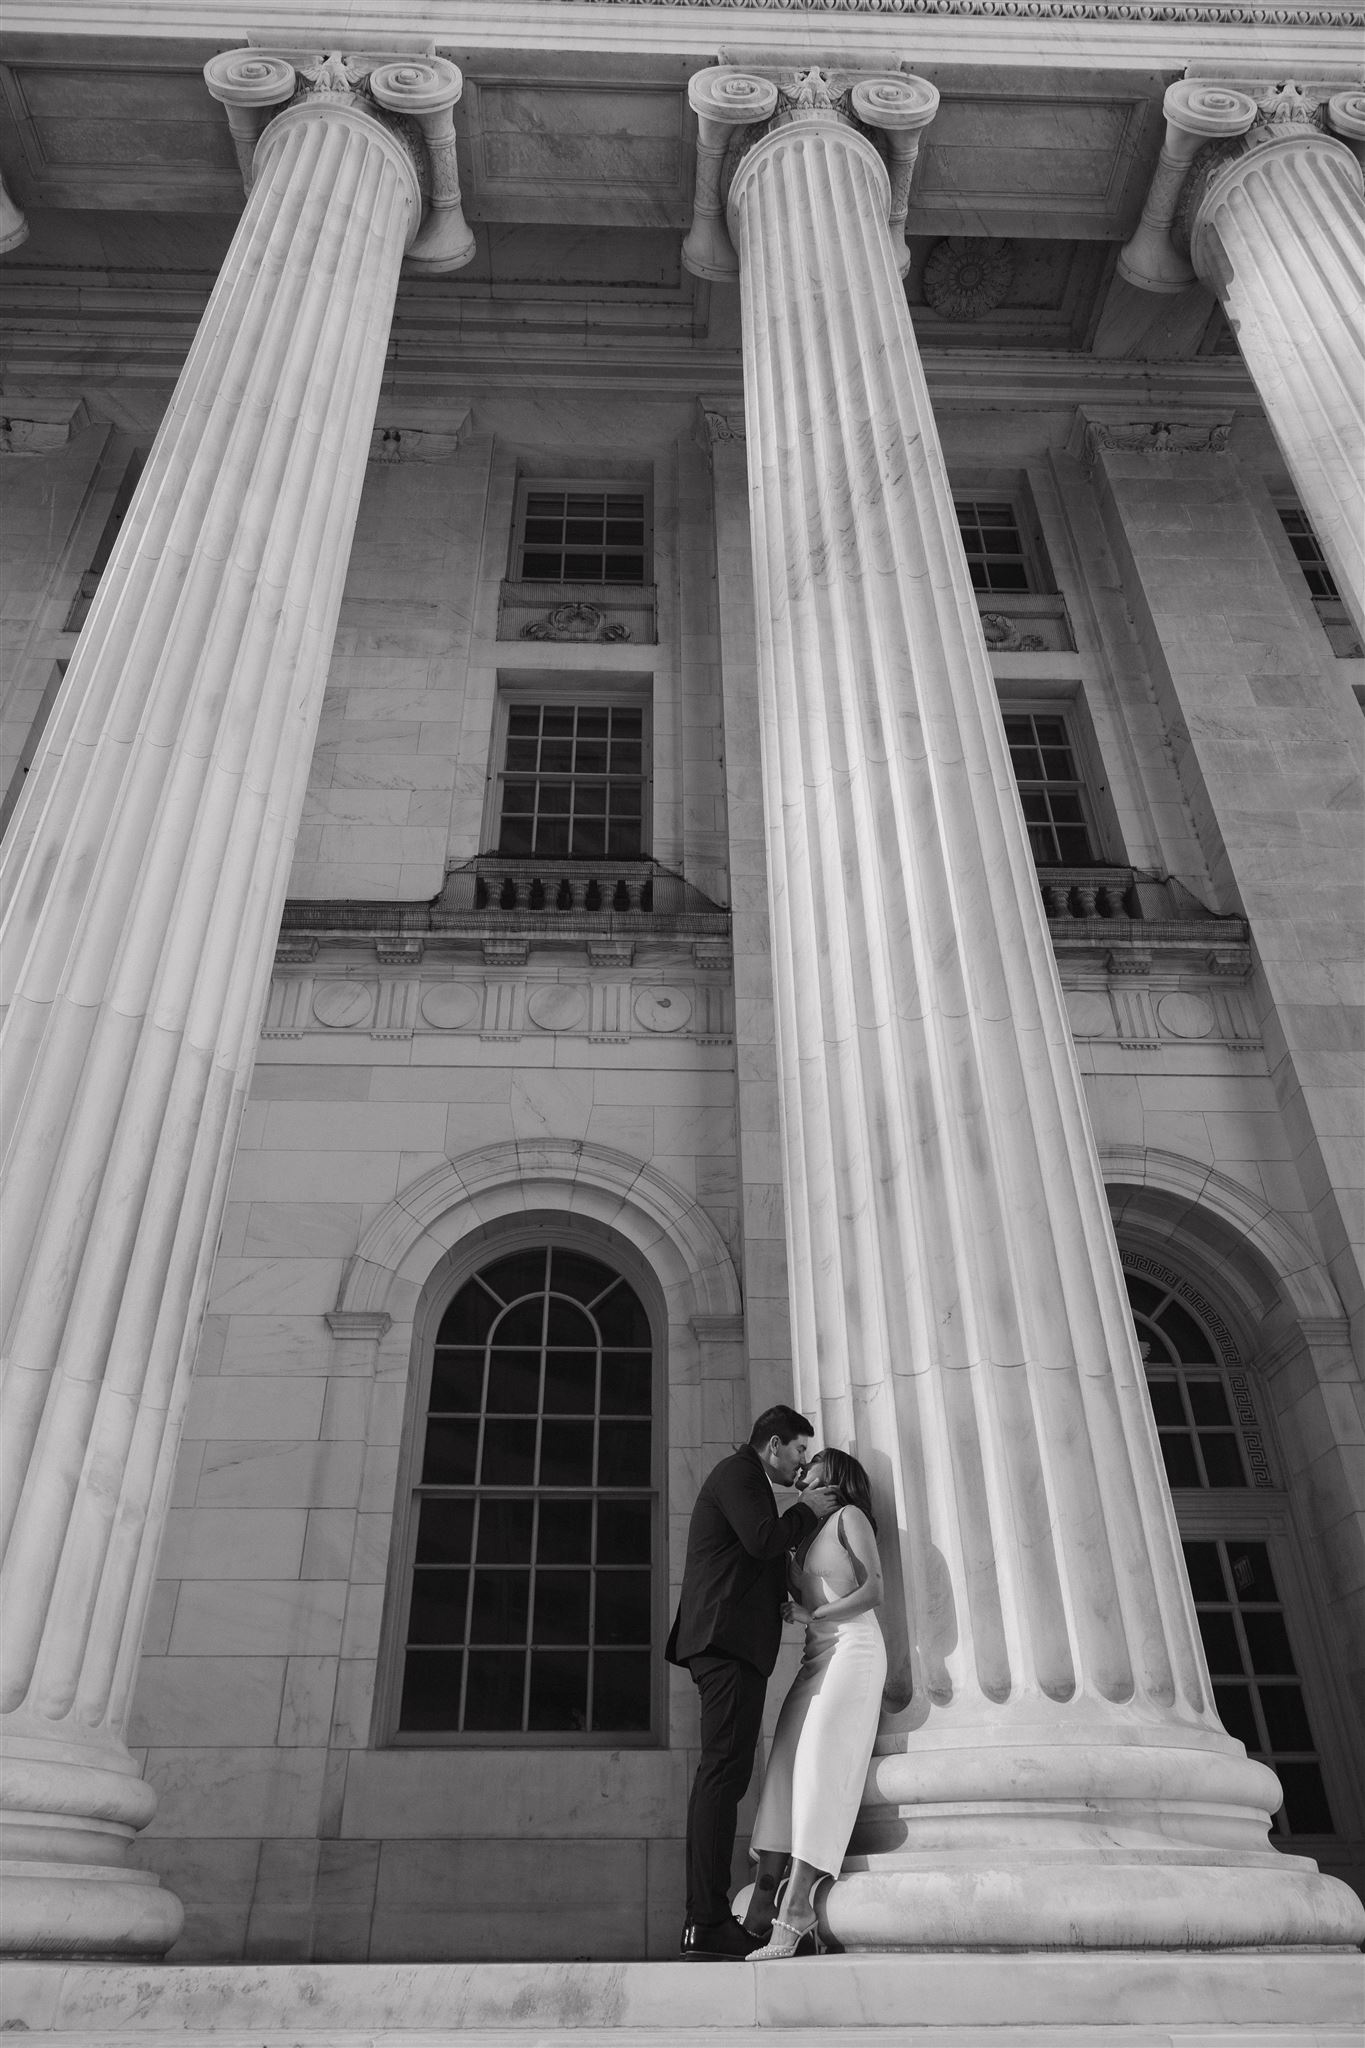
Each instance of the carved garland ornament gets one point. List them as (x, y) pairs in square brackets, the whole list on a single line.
[(1003, 636), (575, 622)]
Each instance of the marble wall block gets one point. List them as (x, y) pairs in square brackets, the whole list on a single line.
[(1233, 753)]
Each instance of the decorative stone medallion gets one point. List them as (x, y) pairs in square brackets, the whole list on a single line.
[(662, 1009), (1089, 1013), (557, 1007), (451, 1005), (966, 277), (1185, 1016), (343, 1005)]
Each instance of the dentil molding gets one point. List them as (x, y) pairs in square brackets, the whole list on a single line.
[(1205, 12)]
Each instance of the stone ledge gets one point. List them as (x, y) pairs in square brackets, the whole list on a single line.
[(1029, 2001)]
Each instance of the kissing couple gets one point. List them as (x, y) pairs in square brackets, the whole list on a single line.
[(749, 1563)]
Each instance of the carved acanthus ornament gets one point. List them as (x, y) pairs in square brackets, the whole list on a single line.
[(718, 423), (412, 98), (735, 109)]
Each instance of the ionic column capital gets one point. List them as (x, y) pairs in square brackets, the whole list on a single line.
[(736, 109), (1213, 126), (401, 94)]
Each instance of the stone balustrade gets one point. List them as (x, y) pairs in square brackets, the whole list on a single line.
[(496, 900)]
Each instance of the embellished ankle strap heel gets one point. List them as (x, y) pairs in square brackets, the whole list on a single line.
[(789, 1940)]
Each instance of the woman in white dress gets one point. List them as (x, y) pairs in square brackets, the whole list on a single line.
[(828, 1722)]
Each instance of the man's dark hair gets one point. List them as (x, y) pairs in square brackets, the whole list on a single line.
[(781, 1422)]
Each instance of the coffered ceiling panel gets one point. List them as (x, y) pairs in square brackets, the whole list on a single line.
[(113, 138), (614, 156), (1070, 167)]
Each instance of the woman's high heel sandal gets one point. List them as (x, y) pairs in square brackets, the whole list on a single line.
[(789, 1940)]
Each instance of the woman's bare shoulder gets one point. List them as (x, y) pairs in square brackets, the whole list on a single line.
[(856, 1525)]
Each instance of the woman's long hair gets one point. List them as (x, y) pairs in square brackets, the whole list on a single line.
[(848, 1479)]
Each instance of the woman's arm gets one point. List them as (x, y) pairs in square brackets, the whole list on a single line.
[(861, 1547)]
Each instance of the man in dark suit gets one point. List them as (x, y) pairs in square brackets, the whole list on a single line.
[(727, 1632)]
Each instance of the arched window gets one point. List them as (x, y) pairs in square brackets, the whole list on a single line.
[(1209, 1435), (533, 1532), (1236, 1535)]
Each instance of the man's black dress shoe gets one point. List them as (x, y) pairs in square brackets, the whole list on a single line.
[(725, 1942)]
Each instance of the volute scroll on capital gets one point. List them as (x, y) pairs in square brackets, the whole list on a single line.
[(735, 109), (411, 97), (1213, 126)]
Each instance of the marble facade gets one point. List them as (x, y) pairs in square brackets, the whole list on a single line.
[(816, 1102)]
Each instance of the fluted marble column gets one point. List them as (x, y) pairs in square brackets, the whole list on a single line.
[(1050, 1771), (144, 876), (1262, 188)]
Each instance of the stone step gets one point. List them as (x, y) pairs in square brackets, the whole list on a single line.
[(1092, 2000)]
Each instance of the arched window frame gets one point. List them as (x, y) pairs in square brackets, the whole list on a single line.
[(1263, 1511), (475, 1251)]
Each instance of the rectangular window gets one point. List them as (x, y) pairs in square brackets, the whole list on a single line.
[(1051, 789), (571, 533), (1308, 551), (573, 782), (994, 542)]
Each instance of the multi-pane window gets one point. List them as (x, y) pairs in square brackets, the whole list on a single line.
[(573, 782), (1308, 551), (1256, 1684), (1050, 788), (567, 535), (532, 1599), (996, 555), (1201, 1441), (1257, 1687)]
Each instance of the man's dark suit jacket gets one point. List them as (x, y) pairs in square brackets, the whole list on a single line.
[(735, 1578)]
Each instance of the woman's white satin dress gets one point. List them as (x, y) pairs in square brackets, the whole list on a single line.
[(828, 1723)]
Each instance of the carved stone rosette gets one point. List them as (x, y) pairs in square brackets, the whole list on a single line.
[(966, 277)]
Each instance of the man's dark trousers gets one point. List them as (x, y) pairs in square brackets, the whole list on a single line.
[(731, 1694)]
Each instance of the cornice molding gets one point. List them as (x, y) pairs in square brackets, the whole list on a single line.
[(1216, 13), (1121, 29)]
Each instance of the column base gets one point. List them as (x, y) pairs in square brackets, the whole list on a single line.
[(1158, 1839), (1037, 1905), (68, 1815), (87, 1910)]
